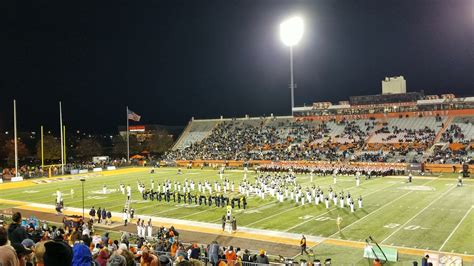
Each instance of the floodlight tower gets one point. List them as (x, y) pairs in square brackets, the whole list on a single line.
[(291, 32)]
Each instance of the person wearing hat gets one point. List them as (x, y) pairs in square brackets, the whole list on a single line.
[(57, 253), (82, 255), (29, 244), (22, 253), (262, 258)]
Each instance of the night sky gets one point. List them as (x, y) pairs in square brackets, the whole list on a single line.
[(171, 60)]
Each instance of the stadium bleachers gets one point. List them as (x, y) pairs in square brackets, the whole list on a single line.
[(403, 139), (198, 130)]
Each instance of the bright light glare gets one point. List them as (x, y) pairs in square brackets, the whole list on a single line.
[(291, 31)]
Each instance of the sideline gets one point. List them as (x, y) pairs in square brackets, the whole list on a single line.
[(243, 232)]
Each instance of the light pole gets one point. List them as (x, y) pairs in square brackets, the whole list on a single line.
[(83, 179), (291, 32)]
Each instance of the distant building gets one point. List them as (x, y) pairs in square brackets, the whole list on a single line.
[(144, 132), (394, 85)]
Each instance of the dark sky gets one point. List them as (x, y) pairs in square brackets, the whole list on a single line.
[(171, 60)]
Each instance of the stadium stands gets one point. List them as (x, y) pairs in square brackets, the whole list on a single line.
[(408, 139), (195, 132)]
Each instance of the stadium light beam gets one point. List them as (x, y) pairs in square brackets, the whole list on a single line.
[(291, 32)]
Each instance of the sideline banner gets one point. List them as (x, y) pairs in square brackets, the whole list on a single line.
[(17, 179)]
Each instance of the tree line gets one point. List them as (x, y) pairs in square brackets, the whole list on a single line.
[(80, 147)]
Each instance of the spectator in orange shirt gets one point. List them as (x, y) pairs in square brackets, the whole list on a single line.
[(230, 256)]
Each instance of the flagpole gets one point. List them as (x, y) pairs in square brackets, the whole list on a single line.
[(15, 141), (42, 149), (62, 141), (64, 136), (128, 140)]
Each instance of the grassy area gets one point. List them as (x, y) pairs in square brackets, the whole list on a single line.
[(341, 255), (6, 206), (430, 213)]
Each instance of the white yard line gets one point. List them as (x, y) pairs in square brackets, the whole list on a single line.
[(271, 216), (416, 215), (383, 206), (263, 207), (456, 228)]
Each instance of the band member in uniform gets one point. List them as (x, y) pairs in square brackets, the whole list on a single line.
[(125, 217), (459, 181), (129, 192), (229, 212), (139, 230), (149, 228)]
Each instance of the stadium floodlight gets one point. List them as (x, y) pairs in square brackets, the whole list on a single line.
[(291, 32)]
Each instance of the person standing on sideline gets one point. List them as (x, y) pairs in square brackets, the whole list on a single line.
[(92, 213), (424, 260), (99, 214), (303, 245), (223, 222), (125, 217), (109, 218), (339, 222), (410, 178), (104, 216)]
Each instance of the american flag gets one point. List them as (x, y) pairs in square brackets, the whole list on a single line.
[(132, 115)]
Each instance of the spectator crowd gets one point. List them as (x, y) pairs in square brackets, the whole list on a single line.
[(38, 245)]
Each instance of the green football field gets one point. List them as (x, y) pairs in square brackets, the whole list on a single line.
[(430, 213)]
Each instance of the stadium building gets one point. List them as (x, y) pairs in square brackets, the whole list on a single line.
[(410, 129)]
